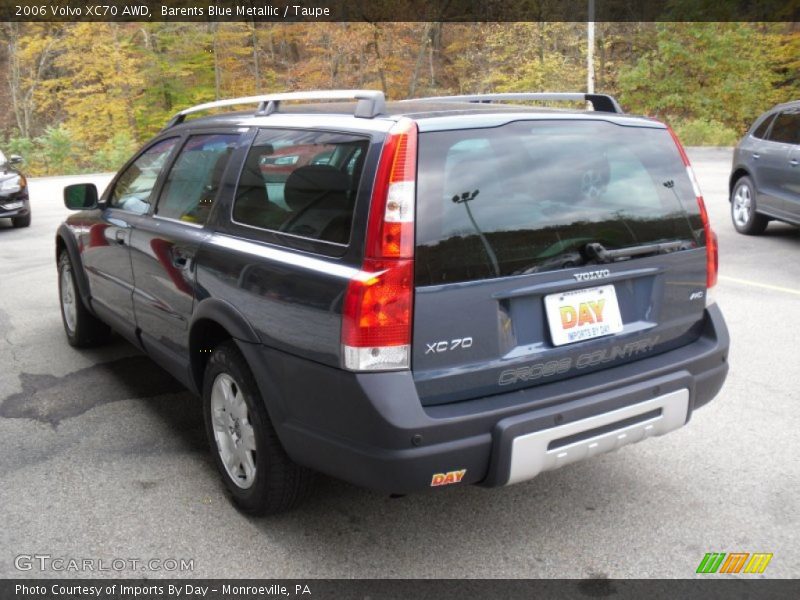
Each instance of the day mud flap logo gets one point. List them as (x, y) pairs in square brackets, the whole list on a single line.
[(448, 478)]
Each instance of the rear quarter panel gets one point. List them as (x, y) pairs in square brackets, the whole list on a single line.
[(288, 289), (292, 301)]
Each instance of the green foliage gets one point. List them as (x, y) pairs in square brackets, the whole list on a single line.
[(702, 132), (55, 151), (711, 71), (20, 145), (51, 153)]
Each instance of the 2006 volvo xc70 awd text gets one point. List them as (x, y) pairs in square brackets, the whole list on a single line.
[(440, 291)]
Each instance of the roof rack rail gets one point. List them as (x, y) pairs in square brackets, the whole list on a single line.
[(600, 102), (371, 103)]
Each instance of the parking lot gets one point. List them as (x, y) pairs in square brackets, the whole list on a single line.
[(103, 456)]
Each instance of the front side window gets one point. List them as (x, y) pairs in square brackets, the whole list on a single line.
[(301, 183), (786, 128), (193, 181), (134, 187)]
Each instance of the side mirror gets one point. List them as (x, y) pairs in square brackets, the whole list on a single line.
[(15, 159), (80, 196)]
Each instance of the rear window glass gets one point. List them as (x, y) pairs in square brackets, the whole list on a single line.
[(529, 196), (301, 183)]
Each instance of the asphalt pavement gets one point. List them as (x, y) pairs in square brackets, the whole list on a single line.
[(103, 456)]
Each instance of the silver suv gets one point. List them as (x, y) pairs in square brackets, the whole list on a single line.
[(765, 180)]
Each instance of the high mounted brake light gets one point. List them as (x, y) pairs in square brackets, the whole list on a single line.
[(712, 249), (377, 311)]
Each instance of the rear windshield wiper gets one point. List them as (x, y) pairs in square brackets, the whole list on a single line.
[(597, 251)]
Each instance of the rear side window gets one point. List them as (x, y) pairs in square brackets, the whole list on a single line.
[(786, 128), (301, 183), (761, 130), (194, 179), (528, 196)]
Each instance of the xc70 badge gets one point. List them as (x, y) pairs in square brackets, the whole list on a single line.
[(592, 275), (445, 346)]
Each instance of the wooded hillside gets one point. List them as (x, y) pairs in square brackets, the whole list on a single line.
[(82, 96)]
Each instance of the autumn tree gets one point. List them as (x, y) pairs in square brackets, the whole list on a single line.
[(83, 95), (30, 49), (98, 87)]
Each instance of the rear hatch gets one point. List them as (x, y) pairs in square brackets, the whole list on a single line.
[(547, 249)]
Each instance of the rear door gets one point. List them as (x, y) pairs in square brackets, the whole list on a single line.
[(512, 289)]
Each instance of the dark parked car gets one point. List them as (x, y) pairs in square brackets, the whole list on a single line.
[(14, 201), (452, 291), (765, 181)]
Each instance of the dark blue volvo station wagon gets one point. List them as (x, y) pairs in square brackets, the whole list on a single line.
[(433, 292)]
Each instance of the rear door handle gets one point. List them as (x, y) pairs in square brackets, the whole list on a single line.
[(756, 155), (794, 162)]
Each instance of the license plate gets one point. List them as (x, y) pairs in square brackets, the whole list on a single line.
[(11, 205), (582, 314)]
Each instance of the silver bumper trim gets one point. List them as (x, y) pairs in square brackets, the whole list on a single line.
[(530, 454)]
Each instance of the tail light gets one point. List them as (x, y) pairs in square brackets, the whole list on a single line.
[(378, 305), (712, 249)]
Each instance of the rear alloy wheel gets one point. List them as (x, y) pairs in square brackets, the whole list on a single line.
[(258, 474), (743, 209), (233, 432), (83, 329)]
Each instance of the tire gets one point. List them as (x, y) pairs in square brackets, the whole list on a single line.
[(259, 476), (24, 221), (83, 329), (744, 213)]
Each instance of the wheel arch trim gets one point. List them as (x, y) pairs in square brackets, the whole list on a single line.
[(737, 173), (226, 316), (213, 312), (66, 240)]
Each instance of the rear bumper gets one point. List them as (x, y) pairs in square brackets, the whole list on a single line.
[(371, 430)]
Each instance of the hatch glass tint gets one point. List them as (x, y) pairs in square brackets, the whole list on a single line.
[(537, 196)]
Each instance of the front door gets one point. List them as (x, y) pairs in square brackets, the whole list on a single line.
[(106, 248)]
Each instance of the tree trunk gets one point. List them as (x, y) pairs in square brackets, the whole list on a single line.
[(14, 79), (217, 75), (256, 59), (381, 71), (424, 41)]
